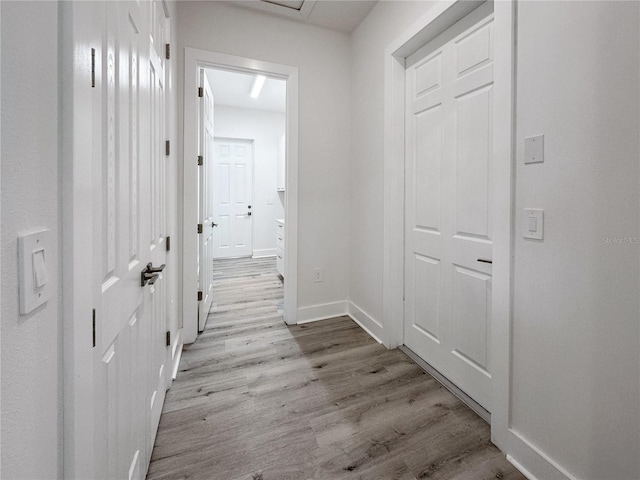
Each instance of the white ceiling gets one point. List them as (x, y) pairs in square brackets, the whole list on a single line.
[(232, 89), (341, 15)]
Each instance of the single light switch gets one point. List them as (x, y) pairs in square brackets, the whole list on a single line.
[(32, 254), (533, 223), (534, 149), (39, 269)]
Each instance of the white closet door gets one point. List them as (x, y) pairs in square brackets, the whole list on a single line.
[(449, 101)]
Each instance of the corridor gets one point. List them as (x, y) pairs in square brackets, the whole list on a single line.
[(255, 399)]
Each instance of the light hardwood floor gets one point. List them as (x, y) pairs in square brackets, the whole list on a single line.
[(257, 400)]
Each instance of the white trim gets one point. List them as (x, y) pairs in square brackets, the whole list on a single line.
[(323, 311), (369, 324), (520, 468), (77, 242), (526, 454), (176, 354), (265, 252), (193, 59), (504, 223)]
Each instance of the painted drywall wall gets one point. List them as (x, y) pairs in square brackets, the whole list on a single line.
[(575, 351), (575, 324), (322, 58), (265, 129), (30, 344), (368, 42)]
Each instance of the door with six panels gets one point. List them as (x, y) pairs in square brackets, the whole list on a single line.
[(449, 104)]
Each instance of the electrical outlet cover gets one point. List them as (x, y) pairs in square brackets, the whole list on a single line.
[(534, 149)]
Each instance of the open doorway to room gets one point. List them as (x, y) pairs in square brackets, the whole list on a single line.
[(241, 184), (242, 192)]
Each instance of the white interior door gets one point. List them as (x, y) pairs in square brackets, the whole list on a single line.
[(205, 206), (129, 231), (233, 195), (449, 103)]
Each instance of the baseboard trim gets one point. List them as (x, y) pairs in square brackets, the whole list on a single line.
[(323, 311), (176, 355), (265, 252), (532, 461), (366, 322), (520, 468), (448, 384)]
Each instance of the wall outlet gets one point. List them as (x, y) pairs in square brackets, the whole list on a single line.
[(317, 275)]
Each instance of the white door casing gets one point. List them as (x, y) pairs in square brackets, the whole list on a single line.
[(115, 377), (233, 197), (194, 59), (156, 295), (448, 292), (205, 206)]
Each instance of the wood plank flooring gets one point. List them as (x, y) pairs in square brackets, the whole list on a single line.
[(257, 400)]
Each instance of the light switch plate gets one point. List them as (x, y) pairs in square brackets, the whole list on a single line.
[(534, 149), (533, 223), (35, 246)]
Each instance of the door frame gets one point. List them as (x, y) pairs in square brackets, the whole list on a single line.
[(251, 142), (439, 18), (193, 60)]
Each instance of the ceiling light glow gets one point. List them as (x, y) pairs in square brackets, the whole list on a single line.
[(258, 83)]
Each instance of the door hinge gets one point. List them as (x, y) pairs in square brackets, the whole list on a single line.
[(168, 339), (200, 92), (167, 148), (200, 160), (93, 68), (167, 51), (199, 228), (168, 243), (199, 296), (94, 327)]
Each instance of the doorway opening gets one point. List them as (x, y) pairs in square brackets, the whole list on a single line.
[(241, 125), (241, 176)]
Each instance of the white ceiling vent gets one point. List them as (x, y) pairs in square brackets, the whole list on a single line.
[(298, 9), (295, 4)]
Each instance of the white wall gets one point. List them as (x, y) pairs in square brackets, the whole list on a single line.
[(265, 129), (322, 58), (381, 27), (576, 312), (31, 344), (576, 309)]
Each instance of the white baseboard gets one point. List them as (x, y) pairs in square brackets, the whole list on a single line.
[(366, 322), (176, 354), (323, 311), (520, 468), (532, 462), (265, 252)]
